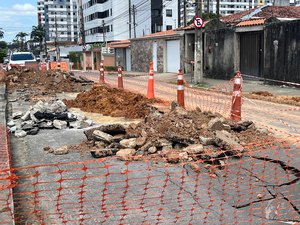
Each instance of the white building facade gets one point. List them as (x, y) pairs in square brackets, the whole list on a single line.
[(60, 19), (112, 20)]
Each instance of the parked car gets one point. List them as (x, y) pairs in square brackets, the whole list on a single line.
[(18, 59)]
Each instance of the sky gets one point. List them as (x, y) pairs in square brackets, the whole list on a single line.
[(17, 16)]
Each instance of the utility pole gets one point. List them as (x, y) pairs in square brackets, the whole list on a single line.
[(198, 70), (207, 6), (218, 8), (103, 32), (184, 13), (129, 3), (56, 41), (134, 24), (82, 34)]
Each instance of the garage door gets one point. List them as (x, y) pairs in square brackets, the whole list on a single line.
[(173, 56)]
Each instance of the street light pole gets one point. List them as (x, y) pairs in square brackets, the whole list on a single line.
[(198, 70)]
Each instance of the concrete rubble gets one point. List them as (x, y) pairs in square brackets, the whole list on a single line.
[(45, 115), (177, 136)]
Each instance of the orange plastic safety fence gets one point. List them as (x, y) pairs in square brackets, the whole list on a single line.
[(259, 186)]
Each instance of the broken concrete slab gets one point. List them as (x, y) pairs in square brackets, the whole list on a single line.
[(125, 154), (229, 141), (102, 136), (60, 124), (128, 143), (20, 133)]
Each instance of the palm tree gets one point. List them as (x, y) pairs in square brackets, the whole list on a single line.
[(21, 37), (37, 35), (1, 33)]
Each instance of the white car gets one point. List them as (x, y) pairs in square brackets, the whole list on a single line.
[(18, 59)]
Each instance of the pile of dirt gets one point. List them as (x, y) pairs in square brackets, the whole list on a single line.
[(177, 136), (267, 96), (45, 82), (113, 102)]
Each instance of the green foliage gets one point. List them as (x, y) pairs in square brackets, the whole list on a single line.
[(37, 35), (111, 68), (3, 53), (3, 45), (75, 58), (1, 33)]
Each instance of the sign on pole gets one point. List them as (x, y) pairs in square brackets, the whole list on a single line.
[(198, 22)]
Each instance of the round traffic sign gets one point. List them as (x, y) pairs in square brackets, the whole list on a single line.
[(198, 22)]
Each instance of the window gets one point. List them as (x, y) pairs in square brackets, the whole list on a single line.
[(169, 12), (169, 27)]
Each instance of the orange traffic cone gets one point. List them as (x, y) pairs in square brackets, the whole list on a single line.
[(101, 79), (236, 107), (150, 92), (180, 89), (120, 78)]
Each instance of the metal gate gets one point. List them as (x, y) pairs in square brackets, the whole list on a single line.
[(251, 53)]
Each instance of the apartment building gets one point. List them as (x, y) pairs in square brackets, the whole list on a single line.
[(111, 20), (60, 20)]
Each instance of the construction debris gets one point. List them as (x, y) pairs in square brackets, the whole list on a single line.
[(45, 115), (177, 136)]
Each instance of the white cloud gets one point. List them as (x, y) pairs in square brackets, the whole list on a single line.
[(25, 8)]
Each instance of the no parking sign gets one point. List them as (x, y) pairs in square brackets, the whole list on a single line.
[(198, 22)]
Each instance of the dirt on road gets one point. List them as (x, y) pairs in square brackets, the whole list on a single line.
[(113, 102), (267, 96), (44, 82)]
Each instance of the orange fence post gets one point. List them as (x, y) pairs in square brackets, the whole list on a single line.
[(120, 78), (150, 92), (101, 79), (236, 107), (180, 89)]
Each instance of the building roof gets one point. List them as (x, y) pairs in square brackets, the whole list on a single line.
[(253, 22), (265, 12), (161, 34), (119, 44), (192, 26)]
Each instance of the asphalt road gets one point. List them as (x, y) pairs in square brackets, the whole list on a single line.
[(261, 188)]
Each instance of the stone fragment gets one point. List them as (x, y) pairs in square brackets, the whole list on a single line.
[(57, 107), (146, 146), (215, 124), (118, 138), (125, 154), (27, 127), (262, 130), (11, 123), (39, 107), (20, 133), (101, 136), (183, 156), (13, 129), (173, 157), (128, 143), (229, 141), (46, 125), (33, 131), (140, 141), (59, 124), (26, 116), (61, 151), (17, 115), (194, 149), (207, 140), (195, 167), (152, 150), (102, 153)]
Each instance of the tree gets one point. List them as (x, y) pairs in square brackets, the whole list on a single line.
[(37, 35), (21, 38), (3, 50), (1, 33)]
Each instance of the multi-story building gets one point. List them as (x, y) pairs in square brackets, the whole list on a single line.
[(111, 20), (60, 20)]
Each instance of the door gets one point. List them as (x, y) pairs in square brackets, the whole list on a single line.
[(173, 56), (251, 53), (128, 59), (154, 55)]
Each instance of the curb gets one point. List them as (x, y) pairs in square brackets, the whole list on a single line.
[(6, 193)]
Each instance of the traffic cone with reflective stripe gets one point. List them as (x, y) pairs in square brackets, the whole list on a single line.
[(150, 92), (236, 107), (120, 78), (180, 89), (101, 79)]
